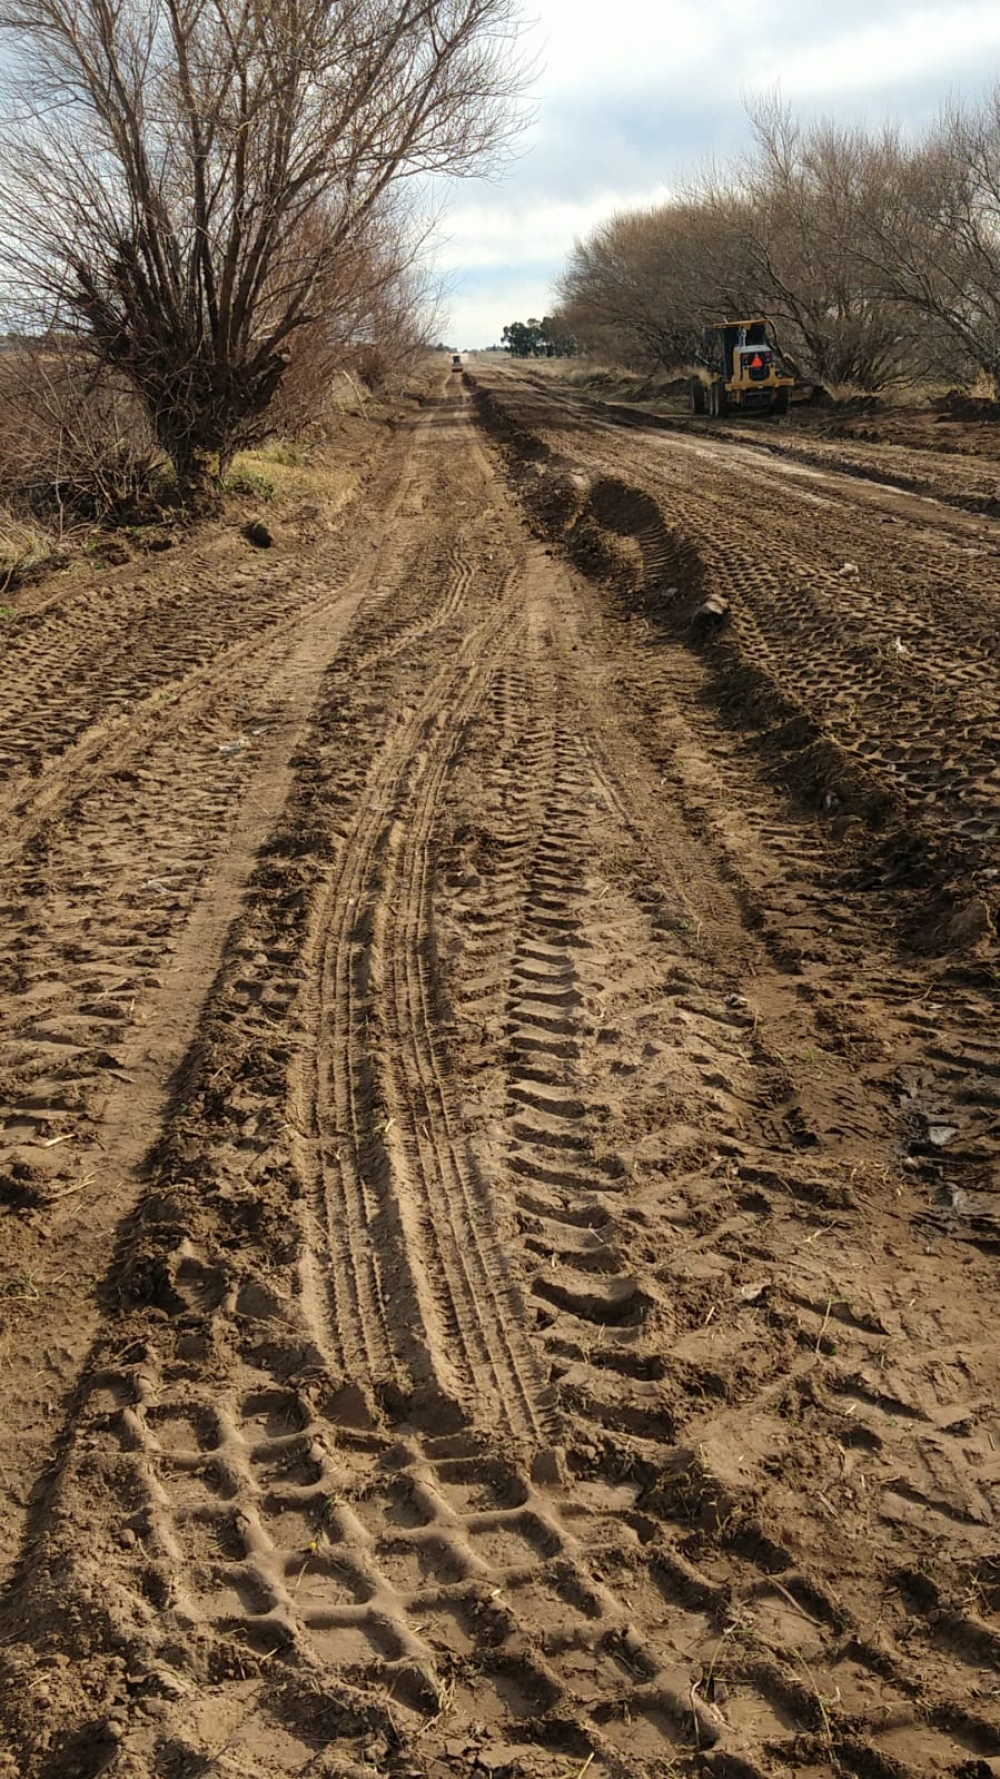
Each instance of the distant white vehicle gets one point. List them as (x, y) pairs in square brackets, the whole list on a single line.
[(456, 361)]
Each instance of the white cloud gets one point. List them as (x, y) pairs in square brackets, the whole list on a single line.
[(475, 236), (928, 40), (579, 41)]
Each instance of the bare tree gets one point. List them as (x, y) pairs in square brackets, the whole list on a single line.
[(373, 314), (644, 283), (799, 212), (163, 163), (928, 229)]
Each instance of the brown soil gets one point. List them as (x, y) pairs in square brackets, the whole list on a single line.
[(500, 1138)]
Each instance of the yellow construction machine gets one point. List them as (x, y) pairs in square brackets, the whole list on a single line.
[(746, 372)]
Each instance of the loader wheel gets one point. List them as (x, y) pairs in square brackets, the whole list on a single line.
[(713, 401), (698, 392), (721, 402), (782, 401)]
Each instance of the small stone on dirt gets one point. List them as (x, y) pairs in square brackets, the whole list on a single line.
[(712, 613)]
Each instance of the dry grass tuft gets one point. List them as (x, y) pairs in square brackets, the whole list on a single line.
[(25, 549)]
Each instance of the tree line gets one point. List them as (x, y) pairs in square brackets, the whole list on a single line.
[(538, 339), (876, 257)]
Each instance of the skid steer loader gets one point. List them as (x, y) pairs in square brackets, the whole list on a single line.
[(747, 374)]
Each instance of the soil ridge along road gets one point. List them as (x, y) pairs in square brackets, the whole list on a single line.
[(499, 1132)]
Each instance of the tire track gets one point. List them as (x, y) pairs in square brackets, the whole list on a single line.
[(88, 672), (610, 1359), (576, 1001), (810, 658), (805, 1380), (109, 864), (877, 656), (122, 877), (349, 1183), (414, 1184), (482, 1310)]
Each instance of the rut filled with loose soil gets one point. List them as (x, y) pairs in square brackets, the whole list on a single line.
[(499, 1127)]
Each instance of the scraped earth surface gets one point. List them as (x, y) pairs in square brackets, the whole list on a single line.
[(500, 1121)]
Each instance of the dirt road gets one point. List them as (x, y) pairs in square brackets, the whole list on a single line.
[(500, 1123)]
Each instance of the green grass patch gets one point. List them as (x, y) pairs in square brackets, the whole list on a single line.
[(245, 480), (282, 470)]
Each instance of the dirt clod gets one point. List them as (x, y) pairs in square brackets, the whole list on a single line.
[(970, 924)]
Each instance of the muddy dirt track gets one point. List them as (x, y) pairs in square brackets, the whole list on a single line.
[(501, 1116)]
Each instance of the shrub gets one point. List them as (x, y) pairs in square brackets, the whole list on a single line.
[(75, 443)]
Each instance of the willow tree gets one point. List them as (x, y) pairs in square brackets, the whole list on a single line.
[(183, 180), (645, 282), (927, 227), (802, 224)]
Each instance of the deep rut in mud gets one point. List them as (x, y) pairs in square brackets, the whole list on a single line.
[(470, 1168)]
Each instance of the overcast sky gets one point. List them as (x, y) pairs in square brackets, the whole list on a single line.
[(633, 96)]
